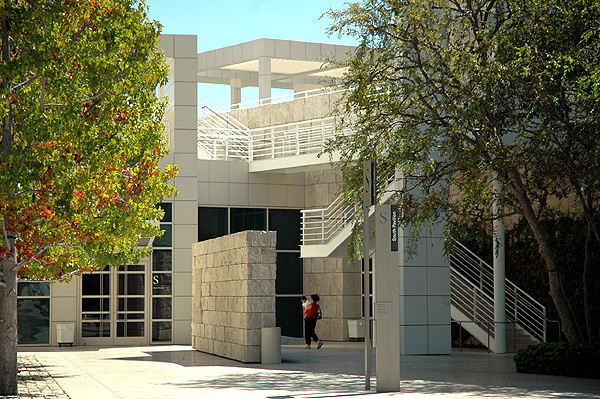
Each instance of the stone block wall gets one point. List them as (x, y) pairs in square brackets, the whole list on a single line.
[(301, 109), (233, 294)]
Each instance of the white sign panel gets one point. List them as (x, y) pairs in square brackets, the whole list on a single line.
[(383, 310)]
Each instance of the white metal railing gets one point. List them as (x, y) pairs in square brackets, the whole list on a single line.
[(319, 226), (291, 139), (471, 301), (279, 99), (520, 307), (221, 136)]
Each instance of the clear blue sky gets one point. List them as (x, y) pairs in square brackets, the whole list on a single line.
[(220, 23)]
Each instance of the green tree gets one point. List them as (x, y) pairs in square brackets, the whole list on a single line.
[(458, 94), (81, 142)]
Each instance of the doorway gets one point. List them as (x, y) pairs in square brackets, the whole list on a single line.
[(114, 306)]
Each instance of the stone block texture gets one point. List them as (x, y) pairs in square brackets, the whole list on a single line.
[(233, 294), (337, 283)]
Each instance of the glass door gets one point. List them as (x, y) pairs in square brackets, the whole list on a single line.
[(114, 306), (131, 305), (96, 308)]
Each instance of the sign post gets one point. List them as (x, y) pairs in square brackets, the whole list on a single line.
[(387, 294), (370, 198)]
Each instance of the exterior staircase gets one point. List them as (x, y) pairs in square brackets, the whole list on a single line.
[(221, 136), (325, 232)]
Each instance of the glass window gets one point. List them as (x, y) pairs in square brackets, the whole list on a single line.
[(161, 284), (27, 288), (289, 273), (247, 219), (162, 260), (166, 239), (161, 331), (161, 308), (288, 311), (167, 208), (212, 223), (95, 329), (131, 284), (33, 320), (286, 222)]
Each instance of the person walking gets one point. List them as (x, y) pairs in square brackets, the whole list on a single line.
[(310, 322)]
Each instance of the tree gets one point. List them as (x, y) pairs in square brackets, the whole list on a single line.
[(458, 94), (82, 137)]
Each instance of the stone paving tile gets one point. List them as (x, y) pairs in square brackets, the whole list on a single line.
[(35, 382)]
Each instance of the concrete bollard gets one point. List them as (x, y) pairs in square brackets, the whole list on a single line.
[(270, 345)]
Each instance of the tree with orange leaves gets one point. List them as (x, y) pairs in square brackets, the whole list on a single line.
[(82, 136)]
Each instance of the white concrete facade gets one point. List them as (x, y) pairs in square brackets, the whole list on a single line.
[(263, 184)]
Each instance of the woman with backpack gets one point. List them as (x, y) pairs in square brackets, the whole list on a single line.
[(310, 322)]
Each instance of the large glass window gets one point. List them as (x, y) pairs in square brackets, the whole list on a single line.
[(212, 223), (286, 222), (216, 222), (289, 273), (289, 284), (162, 284), (33, 312), (247, 219), (162, 294), (166, 225), (288, 315)]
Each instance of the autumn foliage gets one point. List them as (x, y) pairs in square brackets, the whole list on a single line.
[(80, 173)]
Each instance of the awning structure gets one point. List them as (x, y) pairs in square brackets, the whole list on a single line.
[(271, 63)]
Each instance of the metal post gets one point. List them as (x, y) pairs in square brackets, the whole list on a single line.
[(460, 335), (367, 307), (323, 227), (499, 270), (369, 198), (297, 139)]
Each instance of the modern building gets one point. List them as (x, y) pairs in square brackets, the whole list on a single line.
[(252, 166)]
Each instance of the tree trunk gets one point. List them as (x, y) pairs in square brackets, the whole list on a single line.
[(569, 326), (587, 290), (8, 328)]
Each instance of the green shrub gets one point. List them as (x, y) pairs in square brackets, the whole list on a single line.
[(559, 358)]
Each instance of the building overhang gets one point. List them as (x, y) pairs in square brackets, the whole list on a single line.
[(291, 62)]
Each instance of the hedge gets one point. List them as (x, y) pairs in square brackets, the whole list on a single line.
[(559, 358)]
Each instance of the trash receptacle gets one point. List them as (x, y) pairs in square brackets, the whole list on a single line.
[(270, 345), (356, 329), (65, 334)]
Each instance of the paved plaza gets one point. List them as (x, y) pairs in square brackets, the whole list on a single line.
[(335, 371)]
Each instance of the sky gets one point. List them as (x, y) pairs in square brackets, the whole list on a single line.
[(220, 23)]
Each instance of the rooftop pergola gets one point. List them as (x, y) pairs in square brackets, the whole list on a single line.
[(271, 63)]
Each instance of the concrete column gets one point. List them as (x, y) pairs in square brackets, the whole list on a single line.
[(181, 118), (264, 77), (499, 272), (236, 92)]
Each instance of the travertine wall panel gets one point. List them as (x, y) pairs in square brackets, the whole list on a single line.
[(338, 284), (299, 110), (233, 294)]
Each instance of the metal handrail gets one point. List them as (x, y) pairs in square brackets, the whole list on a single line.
[(471, 277), (320, 226), (520, 307), (221, 136), (292, 139)]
